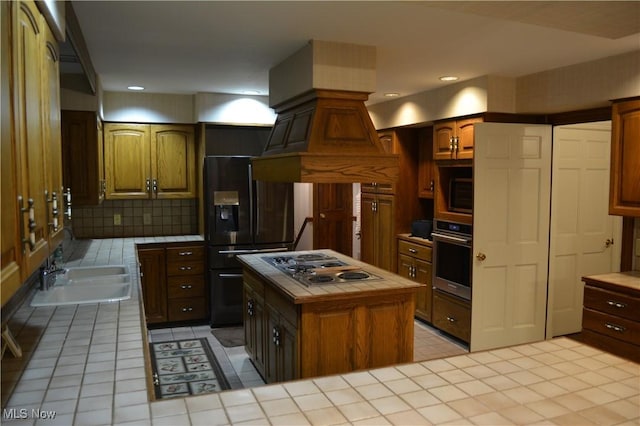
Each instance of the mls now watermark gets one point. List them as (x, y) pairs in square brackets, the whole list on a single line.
[(24, 413)]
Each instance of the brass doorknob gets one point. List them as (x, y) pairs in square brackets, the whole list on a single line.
[(609, 242), (323, 216), (481, 256)]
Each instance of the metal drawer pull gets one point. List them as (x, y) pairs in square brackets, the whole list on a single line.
[(614, 327), (412, 250), (187, 309), (186, 286), (185, 253), (616, 304), (451, 319), (156, 380), (185, 268), (250, 307)]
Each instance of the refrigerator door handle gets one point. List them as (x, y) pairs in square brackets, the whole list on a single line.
[(251, 202), (253, 251)]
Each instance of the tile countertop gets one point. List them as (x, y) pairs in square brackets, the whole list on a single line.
[(87, 367), (630, 279), (300, 293)]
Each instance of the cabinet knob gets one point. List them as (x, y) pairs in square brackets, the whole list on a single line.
[(187, 309), (186, 286), (451, 319), (185, 268), (481, 256), (185, 253), (412, 250)]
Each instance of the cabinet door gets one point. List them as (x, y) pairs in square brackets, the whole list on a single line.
[(82, 157), (28, 115), (464, 138), (368, 229), (271, 323), (287, 352), (127, 161), (154, 286), (443, 134), (173, 161), (386, 241), (424, 299), (426, 183), (52, 137), (11, 247), (624, 193)]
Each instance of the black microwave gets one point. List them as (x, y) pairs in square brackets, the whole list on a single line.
[(461, 195)]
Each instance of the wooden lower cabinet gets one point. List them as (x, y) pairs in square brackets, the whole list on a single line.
[(611, 317), (452, 315), (414, 263), (325, 337), (173, 284)]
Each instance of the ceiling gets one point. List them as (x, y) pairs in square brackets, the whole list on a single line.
[(185, 47)]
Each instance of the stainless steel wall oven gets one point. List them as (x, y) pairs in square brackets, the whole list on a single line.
[(452, 262)]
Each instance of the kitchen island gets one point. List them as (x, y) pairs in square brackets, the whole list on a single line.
[(316, 313)]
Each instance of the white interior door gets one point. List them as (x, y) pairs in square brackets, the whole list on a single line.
[(583, 235), (512, 191)]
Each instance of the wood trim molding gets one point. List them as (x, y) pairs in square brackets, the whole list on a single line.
[(581, 116)]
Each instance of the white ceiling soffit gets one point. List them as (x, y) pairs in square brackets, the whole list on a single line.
[(608, 19)]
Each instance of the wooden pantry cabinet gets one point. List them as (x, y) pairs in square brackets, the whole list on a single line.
[(388, 209), (414, 263), (453, 139), (624, 192), (173, 282), (32, 223), (149, 161), (83, 162)]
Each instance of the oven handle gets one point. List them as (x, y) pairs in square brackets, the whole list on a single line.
[(451, 238)]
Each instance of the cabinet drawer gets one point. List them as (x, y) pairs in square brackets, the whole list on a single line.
[(612, 303), (185, 268), (180, 254), (187, 309), (452, 316), (415, 250), (181, 287), (612, 326)]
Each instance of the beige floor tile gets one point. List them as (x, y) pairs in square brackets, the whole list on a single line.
[(237, 397), (374, 391), (475, 387), (390, 404), (358, 411), (344, 396), (572, 419), (573, 402), (490, 419), (455, 376), (597, 396), (245, 413), (301, 388), (297, 419), (331, 383), (95, 417), (429, 381), (468, 407), (326, 416), (629, 410), (496, 401), (402, 386), (440, 413), (95, 403), (313, 401), (279, 407), (407, 418), (548, 408), (420, 398), (521, 415), (214, 417)]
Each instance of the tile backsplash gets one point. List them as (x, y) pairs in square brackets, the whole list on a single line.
[(137, 218)]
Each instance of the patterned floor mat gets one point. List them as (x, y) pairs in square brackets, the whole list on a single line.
[(186, 367)]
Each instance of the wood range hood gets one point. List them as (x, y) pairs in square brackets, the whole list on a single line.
[(323, 132)]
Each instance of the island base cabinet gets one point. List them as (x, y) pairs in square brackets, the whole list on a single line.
[(288, 341), (339, 337)]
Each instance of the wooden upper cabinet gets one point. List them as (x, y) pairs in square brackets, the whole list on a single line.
[(426, 183), (624, 192), (52, 138), (173, 161), (28, 116), (11, 246), (149, 161), (83, 166), (453, 139), (389, 142), (127, 161)]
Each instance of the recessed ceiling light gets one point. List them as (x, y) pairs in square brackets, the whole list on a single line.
[(448, 78), (392, 95), (137, 88)]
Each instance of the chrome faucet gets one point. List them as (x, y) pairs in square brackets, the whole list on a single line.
[(48, 274)]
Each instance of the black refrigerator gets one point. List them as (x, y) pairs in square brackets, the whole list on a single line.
[(242, 216)]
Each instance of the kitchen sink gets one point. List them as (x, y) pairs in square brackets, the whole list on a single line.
[(81, 285)]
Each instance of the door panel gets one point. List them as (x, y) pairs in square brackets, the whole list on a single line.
[(512, 168), (580, 223), (333, 217), (127, 164), (172, 161)]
